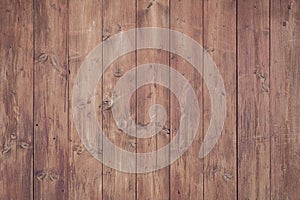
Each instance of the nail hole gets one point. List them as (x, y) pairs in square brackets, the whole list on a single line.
[(284, 23)]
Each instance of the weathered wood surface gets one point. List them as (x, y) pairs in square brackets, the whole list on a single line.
[(118, 16), (186, 174), (284, 99), (154, 185), (256, 46), (51, 105), (16, 100), (85, 30), (220, 179), (253, 100)]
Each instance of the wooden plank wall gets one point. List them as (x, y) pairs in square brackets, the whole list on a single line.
[(85, 30), (187, 172), (256, 46), (16, 107), (153, 185), (220, 180), (253, 116), (118, 16), (50, 155)]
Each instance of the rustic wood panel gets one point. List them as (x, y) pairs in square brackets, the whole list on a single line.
[(253, 100), (256, 46), (118, 16), (85, 31), (284, 99), (186, 176), (16, 103), (51, 99), (220, 43), (153, 185)]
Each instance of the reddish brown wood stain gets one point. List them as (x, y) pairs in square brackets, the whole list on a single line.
[(256, 46)]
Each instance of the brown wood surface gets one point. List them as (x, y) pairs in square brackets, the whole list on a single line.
[(85, 30), (256, 47), (186, 176), (118, 16), (51, 151), (253, 100), (16, 100), (220, 179), (153, 185), (284, 99)]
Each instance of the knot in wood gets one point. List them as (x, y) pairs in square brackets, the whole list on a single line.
[(42, 58), (41, 176), (107, 103), (167, 130), (53, 176), (6, 149), (24, 145), (79, 150), (118, 72), (13, 136)]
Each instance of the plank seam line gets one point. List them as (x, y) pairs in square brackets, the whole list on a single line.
[(136, 100), (102, 93), (68, 99), (202, 88), (33, 94), (237, 100), (270, 140), (170, 122)]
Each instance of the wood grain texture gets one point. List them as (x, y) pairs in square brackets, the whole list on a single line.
[(256, 47), (85, 32), (186, 176), (153, 185), (51, 99), (16, 101), (284, 99), (118, 16), (253, 100), (220, 43)]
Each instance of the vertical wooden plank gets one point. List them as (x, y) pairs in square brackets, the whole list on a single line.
[(253, 100), (220, 43), (85, 33), (118, 16), (153, 185), (285, 95), (51, 99), (16, 103), (186, 176)]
